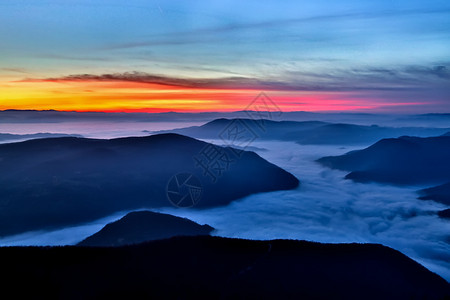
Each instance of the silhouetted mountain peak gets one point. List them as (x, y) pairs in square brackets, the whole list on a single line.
[(403, 160), (141, 226), (440, 193), (63, 181), (305, 132)]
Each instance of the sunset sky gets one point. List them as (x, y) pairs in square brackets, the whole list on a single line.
[(110, 55)]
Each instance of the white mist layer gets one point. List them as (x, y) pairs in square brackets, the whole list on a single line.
[(324, 208), (327, 208), (65, 236), (102, 130)]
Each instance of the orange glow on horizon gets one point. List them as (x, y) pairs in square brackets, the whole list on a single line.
[(124, 96)]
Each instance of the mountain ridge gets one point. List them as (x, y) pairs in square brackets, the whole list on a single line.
[(302, 132), (67, 181), (142, 226), (213, 268), (405, 160)]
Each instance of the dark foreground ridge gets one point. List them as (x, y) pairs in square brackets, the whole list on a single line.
[(51, 183), (218, 268), (141, 226), (404, 160)]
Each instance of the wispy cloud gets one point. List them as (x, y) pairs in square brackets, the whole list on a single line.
[(210, 34), (16, 70), (74, 57), (142, 77), (370, 79)]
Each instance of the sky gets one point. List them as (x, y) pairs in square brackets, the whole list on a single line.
[(156, 56)]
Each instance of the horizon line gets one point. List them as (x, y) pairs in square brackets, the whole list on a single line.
[(220, 112)]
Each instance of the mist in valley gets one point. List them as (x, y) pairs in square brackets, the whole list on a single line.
[(324, 208)]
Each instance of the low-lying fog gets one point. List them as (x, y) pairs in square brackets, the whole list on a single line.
[(327, 208), (104, 130), (324, 208)]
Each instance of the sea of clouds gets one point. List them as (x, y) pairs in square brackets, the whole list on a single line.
[(324, 208), (328, 208)]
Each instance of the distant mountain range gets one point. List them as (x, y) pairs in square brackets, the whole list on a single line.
[(49, 183), (142, 226), (46, 116), (440, 193), (404, 160), (14, 137), (307, 133), (218, 268)]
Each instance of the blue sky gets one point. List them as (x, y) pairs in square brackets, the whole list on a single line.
[(323, 45)]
